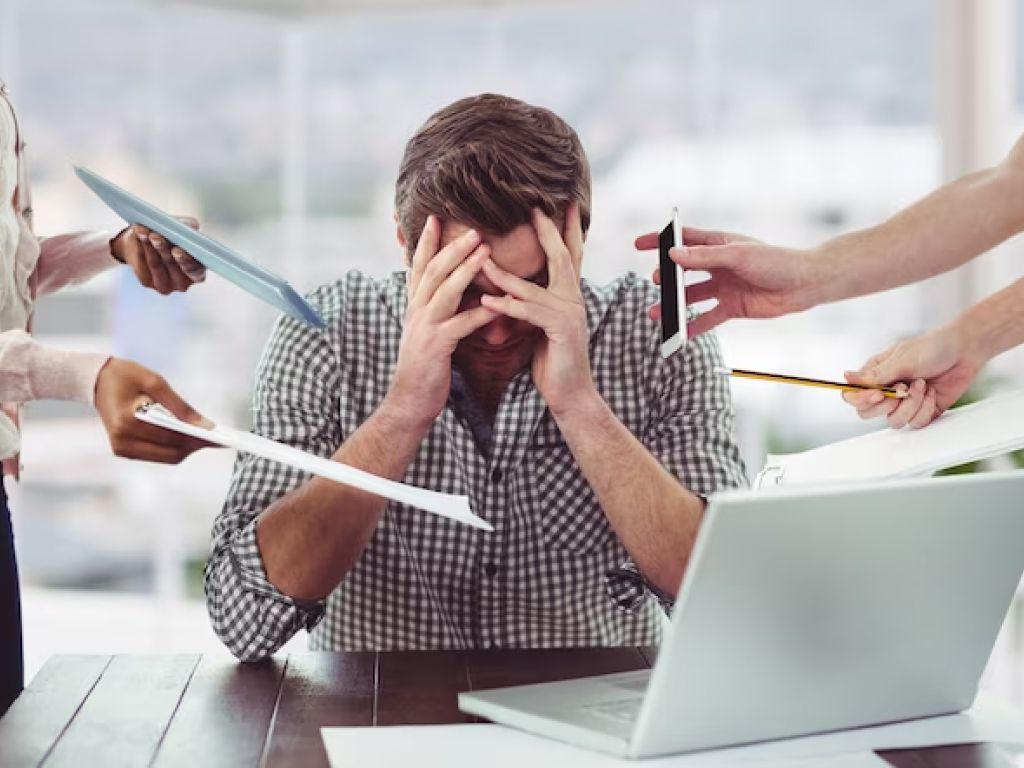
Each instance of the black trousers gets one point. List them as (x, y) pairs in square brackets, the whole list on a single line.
[(12, 670)]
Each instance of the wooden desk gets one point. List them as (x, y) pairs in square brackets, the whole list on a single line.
[(199, 712)]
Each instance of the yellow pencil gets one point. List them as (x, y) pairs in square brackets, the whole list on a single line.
[(840, 385)]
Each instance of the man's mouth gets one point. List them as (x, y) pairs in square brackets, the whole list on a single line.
[(503, 350)]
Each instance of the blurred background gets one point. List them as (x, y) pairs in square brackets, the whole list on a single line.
[(280, 125)]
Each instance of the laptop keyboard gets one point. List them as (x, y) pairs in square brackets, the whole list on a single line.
[(620, 710)]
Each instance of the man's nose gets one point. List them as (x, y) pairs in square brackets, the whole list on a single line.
[(497, 332)]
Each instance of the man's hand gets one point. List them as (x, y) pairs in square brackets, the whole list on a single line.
[(561, 361), (156, 263), (748, 278), (940, 367), (121, 387), (433, 324)]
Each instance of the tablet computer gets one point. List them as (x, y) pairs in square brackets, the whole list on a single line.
[(213, 255)]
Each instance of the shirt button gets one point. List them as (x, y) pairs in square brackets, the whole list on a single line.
[(491, 570), (497, 475)]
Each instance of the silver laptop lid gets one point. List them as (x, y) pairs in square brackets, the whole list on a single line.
[(812, 610)]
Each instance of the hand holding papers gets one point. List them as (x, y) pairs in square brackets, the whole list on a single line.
[(988, 428), (213, 255), (442, 504)]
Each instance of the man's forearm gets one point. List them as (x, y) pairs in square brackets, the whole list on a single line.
[(311, 538), (655, 517), (944, 230), (992, 326)]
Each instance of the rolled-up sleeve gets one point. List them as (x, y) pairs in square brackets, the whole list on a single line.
[(690, 430), (295, 402)]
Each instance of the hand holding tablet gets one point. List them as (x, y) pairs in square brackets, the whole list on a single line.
[(213, 255)]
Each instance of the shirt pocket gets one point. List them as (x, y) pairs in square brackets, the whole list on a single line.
[(571, 519)]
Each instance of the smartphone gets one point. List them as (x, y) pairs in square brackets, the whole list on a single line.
[(673, 290)]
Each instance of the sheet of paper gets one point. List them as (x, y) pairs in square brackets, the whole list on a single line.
[(987, 428), (443, 504), (495, 746)]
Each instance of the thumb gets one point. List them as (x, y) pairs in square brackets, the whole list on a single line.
[(704, 257), (188, 221), (170, 399), (879, 371)]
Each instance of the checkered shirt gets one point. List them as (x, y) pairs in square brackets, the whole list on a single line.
[(553, 572)]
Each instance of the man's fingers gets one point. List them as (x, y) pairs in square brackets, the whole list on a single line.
[(573, 236), (926, 413), (534, 314), (707, 257), (656, 277), (426, 247), (706, 321), (862, 399), (883, 407), (909, 406), (443, 264), (161, 278), (646, 242), (162, 245), (702, 291), (449, 294), (193, 269), (517, 287), (694, 236), (188, 221), (560, 269), (173, 402), (135, 258), (179, 280), (880, 370), (654, 312), (156, 452), (465, 323)]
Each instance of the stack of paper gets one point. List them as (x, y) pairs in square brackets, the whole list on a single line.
[(495, 746), (988, 428)]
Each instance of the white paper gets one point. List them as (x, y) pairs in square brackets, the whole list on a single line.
[(495, 746), (443, 504), (988, 428)]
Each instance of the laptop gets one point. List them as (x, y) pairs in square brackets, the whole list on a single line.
[(804, 611)]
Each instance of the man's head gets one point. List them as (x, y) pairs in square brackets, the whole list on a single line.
[(486, 162)]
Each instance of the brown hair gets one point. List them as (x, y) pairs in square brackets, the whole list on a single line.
[(487, 161)]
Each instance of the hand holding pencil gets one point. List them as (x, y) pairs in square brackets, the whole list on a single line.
[(939, 367), (898, 392)]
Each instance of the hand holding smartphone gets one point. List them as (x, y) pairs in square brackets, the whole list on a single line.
[(673, 290)]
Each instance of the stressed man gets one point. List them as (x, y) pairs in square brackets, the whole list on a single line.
[(488, 368)]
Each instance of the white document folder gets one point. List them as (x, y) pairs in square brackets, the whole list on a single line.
[(442, 504), (978, 431)]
